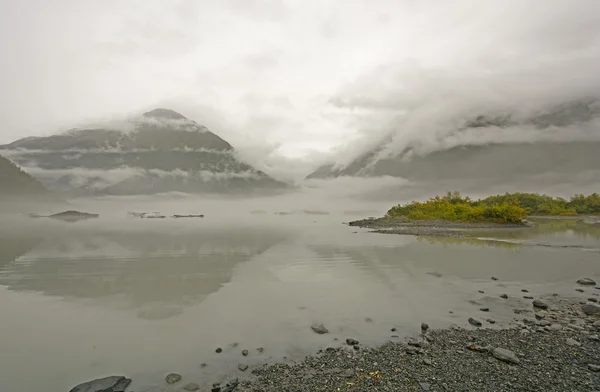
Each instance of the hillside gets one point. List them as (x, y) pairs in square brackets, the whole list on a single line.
[(159, 151), (16, 184), (563, 140)]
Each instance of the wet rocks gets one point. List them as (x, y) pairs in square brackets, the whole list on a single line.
[(590, 309), (219, 350), (424, 327), (527, 297), (242, 367), (525, 290), (319, 329), (393, 330), (484, 309), (586, 282), (538, 303), (475, 322), (505, 355), (504, 296), (491, 321), (172, 378), (351, 342), (245, 353), (106, 384), (191, 387)]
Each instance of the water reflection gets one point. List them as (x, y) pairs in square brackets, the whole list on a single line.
[(156, 274)]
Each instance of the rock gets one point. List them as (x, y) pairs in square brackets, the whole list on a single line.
[(595, 338), (594, 368), (481, 291), (414, 343), (219, 350), (427, 361), (242, 367), (540, 315), (231, 385), (106, 384), (484, 309), (351, 342), (425, 386), (173, 378), (394, 330), (525, 290), (580, 290), (192, 387), (494, 278), (491, 321), (592, 299), (586, 282), (538, 303), (319, 328), (556, 327), (590, 309), (527, 297), (474, 322), (260, 349), (505, 355), (572, 342), (424, 327), (504, 296), (202, 365), (411, 350), (356, 347), (245, 353), (368, 320), (348, 373)]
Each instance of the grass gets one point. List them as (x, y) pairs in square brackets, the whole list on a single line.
[(507, 208)]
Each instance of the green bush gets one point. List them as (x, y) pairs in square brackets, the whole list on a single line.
[(507, 208)]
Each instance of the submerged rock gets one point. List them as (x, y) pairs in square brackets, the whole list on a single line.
[(106, 384), (242, 367), (504, 296), (474, 322), (191, 387), (173, 378), (586, 282), (319, 328)]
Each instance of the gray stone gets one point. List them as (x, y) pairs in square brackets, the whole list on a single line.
[(595, 338), (106, 384), (427, 361), (590, 309), (425, 386), (242, 367), (505, 355), (192, 387), (556, 327), (484, 309), (319, 328), (424, 327), (594, 368), (351, 342), (538, 303), (586, 282), (173, 378), (491, 321), (348, 373), (572, 342), (219, 350), (245, 353), (474, 322), (543, 323)]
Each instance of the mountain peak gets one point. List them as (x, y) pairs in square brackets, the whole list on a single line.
[(164, 114)]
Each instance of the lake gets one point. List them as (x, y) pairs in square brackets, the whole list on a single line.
[(145, 297)]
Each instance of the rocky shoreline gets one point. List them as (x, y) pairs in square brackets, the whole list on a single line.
[(436, 228), (553, 345)]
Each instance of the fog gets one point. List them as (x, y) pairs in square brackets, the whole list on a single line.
[(293, 85)]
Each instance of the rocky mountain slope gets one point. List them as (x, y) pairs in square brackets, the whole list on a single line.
[(159, 151), (15, 184)]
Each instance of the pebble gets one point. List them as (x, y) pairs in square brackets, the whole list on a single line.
[(494, 278), (504, 296), (173, 378), (481, 291), (586, 282), (245, 353), (219, 350), (427, 361), (525, 290), (556, 327), (351, 342), (425, 386), (393, 329), (594, 368), (491, 321), (242, 367), (538, 303), (474, 322), (527, 297), (505, 355), (260, 349), (572, 342), (425, 326), (485, 309), (319, 328), (595, 338), (580, 290), (592, 299)]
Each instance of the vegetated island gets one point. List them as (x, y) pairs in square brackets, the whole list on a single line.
[(454, 215)]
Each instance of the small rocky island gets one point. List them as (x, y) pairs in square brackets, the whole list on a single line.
[(68, 216)]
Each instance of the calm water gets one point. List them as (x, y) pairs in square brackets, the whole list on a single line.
[(147, 297)]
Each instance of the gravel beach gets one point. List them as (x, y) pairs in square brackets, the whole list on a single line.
[(549, 350)]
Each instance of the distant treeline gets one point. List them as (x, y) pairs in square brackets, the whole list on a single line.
[(14, 182), (507, 208)]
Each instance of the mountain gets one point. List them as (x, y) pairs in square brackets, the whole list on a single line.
[(563, 141), (159, 151), (15, 184)]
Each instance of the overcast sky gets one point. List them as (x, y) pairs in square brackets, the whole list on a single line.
[(294, 78)]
